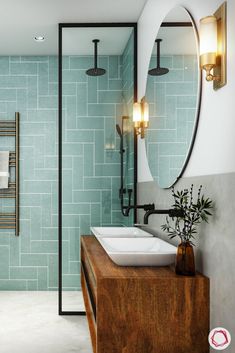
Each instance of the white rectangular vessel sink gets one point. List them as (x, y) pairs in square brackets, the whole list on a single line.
[(139, 251), (119, 232)]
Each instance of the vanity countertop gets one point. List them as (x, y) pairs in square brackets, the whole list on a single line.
[(104, 267)]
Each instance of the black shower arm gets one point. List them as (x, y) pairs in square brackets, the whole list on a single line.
[(158, 53), (95, 54)]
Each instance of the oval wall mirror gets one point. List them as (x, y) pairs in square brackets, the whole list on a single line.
[(173, 92)]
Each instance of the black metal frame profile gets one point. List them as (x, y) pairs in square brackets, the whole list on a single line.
[(82, 25)]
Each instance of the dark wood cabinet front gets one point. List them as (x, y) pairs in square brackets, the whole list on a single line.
[(142, 309)]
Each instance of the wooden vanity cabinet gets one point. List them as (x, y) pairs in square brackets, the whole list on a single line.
[(142, 309)]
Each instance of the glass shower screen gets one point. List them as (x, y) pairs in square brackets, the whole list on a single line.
[(96, 89)]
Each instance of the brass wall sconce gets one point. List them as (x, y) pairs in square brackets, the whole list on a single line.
[(141, 116), (213, 47)]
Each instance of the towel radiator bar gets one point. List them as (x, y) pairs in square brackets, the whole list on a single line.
[(11, 220)]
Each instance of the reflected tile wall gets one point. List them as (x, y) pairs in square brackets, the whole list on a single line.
[(173, 99)]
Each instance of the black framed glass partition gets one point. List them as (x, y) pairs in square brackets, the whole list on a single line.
[(97, 88)]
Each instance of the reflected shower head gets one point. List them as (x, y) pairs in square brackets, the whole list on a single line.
[(95, 71), (119, 130), (158, 71)]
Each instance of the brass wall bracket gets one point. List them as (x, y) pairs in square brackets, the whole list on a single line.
[(140, 128), (219, 70)]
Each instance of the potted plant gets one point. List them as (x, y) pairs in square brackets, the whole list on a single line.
[(185, 227)]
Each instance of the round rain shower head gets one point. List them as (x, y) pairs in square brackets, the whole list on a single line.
[(119, 130), (95, 71), (158, 71)]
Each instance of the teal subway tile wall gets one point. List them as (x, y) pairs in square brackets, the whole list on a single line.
[(29, 262), (172, 101), (92, 107), (92, 177)]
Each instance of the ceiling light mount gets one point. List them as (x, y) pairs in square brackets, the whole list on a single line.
[(39, 39)]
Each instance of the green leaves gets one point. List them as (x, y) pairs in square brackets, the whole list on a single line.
[(194, 214)]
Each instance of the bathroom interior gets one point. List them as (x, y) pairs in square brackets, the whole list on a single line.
[(108, 111)]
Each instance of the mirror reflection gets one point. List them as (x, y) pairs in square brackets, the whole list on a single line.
[(173, 94)]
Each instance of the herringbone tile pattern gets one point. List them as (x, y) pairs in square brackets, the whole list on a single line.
[(173, 102), (92, 106)]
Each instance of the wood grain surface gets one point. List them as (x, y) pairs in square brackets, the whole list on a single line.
[(144, 309)]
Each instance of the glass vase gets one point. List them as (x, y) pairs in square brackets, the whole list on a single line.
[(185, 264)]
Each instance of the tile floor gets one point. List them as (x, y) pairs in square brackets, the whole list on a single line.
[(30, 324)]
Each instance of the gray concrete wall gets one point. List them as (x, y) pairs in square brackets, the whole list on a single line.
[(215, 244)]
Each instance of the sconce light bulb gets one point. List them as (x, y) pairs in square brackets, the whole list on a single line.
[(141, 116), (145, 112), (136, 112), (208, 46), (208, 35), (213, 47)]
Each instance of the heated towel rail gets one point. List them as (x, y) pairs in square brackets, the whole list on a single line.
[(11, 220)]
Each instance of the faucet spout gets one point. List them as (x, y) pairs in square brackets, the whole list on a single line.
[(146, 207), (172, 212)]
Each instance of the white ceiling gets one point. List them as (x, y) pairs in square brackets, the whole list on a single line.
[(22, 20), (177, 40), (177, 14), (78, 41)]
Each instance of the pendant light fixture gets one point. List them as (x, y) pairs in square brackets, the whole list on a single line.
[(95, 71), (158, 71)]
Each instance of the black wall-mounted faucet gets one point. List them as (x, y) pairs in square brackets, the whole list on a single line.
[(172, 212), (147, 207)]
